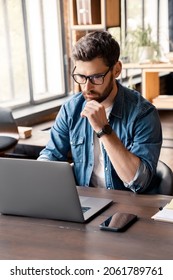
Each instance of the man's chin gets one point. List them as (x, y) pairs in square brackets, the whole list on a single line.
[(90, 97), (99, 100), (94, 96)]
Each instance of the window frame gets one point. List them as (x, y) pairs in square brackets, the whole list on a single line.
[(31, 100)]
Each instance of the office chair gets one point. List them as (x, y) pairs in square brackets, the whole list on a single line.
[(9, 135), (162, 182)]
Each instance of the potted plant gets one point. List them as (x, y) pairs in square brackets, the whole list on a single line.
[(141, 44)]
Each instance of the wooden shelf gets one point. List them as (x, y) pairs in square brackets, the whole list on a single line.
[(158, 67), (163, 101), (88, 27), (151, 82), (95, 14)]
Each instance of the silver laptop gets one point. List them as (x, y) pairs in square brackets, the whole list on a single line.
[(44, 189)]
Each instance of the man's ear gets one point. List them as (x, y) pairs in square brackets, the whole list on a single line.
[(117, 69)]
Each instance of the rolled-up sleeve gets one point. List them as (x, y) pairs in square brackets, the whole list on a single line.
[(140, 180)]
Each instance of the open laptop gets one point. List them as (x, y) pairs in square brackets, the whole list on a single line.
[(44, 189)]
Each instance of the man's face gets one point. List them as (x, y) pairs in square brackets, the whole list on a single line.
[(97, 68)]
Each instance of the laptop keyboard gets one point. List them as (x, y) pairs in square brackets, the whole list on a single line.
[(84, 209)]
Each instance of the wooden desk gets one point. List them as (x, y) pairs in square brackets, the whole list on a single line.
[(40, 135), (150, 78), (28, 238), (31, 147)]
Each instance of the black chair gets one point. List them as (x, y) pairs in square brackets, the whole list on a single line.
[(162, 182), (9, 134)]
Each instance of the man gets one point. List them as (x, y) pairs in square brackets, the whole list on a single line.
[(114, 134)]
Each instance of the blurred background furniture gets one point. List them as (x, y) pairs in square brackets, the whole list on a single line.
[(9, 135), (162, 183), (151, 82)]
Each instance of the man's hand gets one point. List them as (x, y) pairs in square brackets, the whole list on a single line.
[(96, 115)]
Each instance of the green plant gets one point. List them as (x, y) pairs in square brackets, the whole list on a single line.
[(141, 37)]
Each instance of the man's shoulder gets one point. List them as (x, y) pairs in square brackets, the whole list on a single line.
[(133, 104), (135, 97)]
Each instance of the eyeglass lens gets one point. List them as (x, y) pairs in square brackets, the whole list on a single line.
[(94, 79)]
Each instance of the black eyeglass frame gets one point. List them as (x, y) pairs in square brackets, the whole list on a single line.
[(90, 77)]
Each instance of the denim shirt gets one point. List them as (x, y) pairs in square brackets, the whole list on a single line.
[(134, 120)]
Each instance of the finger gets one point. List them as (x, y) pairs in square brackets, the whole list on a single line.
[(93, 104), (84, 113)]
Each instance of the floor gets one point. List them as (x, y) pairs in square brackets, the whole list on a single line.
[(166, 155)]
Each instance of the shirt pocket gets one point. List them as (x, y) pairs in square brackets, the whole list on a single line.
[(77, 149)]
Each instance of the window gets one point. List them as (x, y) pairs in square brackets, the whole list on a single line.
[(140, 13), (31, 52)]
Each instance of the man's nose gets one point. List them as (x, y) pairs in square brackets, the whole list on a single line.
[(88, 85)]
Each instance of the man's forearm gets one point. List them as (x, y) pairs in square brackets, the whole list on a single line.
[(124, 162)]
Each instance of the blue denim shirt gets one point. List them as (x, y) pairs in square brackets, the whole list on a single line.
[(134, 120)]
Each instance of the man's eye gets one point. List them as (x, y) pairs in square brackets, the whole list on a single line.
[(97, 77), (80, 77)]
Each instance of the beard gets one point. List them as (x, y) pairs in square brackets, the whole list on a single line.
[(97, 96)]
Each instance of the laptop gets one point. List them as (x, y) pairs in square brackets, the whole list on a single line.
[(44, 189)]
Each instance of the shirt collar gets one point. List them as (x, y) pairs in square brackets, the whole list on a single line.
[(117, 109)]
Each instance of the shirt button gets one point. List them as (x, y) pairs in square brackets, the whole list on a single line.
[(106, 168)]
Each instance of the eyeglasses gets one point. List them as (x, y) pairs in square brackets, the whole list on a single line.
[(96, 79)]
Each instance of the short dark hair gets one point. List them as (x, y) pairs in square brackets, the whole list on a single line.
[(97, 44)]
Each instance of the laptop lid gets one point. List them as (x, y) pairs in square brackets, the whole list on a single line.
[(44, 189)]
